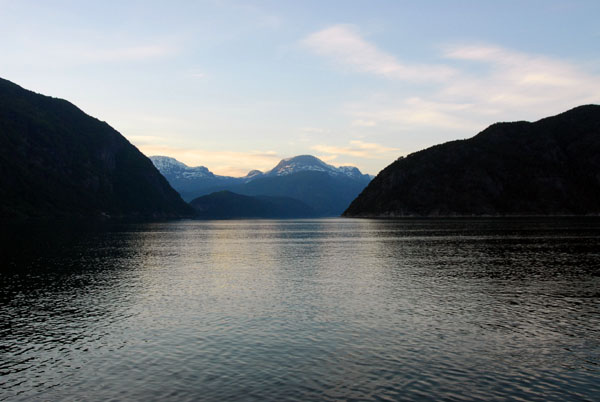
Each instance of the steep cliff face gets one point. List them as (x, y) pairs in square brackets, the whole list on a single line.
[(57, 161), (550, 167)]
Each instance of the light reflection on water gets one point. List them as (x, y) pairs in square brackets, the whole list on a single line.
[(310, 309)]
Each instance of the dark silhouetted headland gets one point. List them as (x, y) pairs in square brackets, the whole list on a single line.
[(550, 167), (56, 161)]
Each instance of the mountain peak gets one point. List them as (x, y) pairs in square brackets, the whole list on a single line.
[(311, 163), (172, 167), (166, 161), (306, 159), (253, 173)]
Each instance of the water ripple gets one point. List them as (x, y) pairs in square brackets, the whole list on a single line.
[(302, 310)]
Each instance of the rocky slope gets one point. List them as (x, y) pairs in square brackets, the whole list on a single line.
[(550, 167), (56, 161)]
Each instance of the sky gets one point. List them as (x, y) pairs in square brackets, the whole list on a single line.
[(239, 85)]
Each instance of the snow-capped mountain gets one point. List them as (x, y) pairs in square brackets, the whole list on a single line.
[(308, 162), (325, 188), (253, 174), (173, 168), (191, 182)]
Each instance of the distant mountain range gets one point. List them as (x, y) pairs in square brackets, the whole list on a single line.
[(192, 182), (550, 167), (327, 189), (56, 161)]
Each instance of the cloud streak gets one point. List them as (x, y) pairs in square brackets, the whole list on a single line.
[(344, 45), (125, 54), (516, 80), (359, 149), (478, 85), (411, 114)]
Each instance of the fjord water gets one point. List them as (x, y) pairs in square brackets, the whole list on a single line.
[(307, 309)]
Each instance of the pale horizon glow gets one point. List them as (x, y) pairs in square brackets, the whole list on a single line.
[(218, 162), (239, 85)]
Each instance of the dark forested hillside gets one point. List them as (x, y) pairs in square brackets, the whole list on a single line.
[(57, 161), (326, 194), (228, 205), (550, 167)]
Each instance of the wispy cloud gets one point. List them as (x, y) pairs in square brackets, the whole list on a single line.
[(197, 74), (128, 53), (411, 114), (364, 123), (345, 46), (73, 55), (141, 140), (517, 80), (314, 130), (478, 85), (359, 149)]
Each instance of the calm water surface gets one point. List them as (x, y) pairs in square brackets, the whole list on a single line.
[(310, 309)]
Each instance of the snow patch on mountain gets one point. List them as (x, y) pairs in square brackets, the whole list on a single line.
[(174, 168), (253, 174), (310, 163)]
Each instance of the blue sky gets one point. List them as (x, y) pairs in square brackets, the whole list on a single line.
[(239, 85)]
